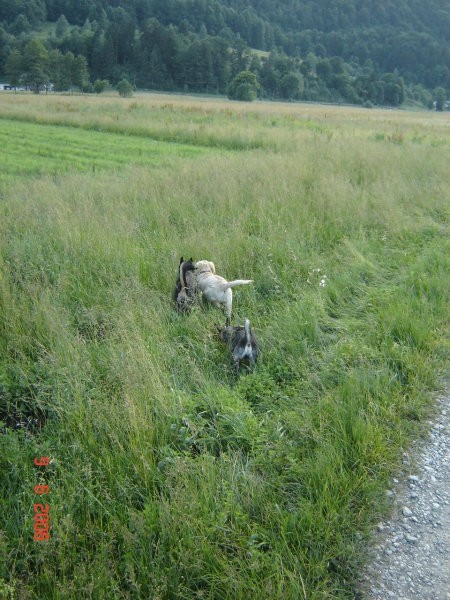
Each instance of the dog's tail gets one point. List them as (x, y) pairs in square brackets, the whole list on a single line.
[(181, 272), (232, 284), (248, 333)]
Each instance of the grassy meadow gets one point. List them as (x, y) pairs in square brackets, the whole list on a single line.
[(170, 477)]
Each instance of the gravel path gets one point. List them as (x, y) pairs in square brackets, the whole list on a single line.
[(411, 559)]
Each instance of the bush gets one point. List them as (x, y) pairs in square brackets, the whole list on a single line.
[(100, 85), (245, 92), (124, 88), (244, 87)]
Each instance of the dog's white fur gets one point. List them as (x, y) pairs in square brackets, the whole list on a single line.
[(250, 350), (215, 288), (242, 343)]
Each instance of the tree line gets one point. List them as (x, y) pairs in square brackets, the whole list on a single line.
[(204, 45)]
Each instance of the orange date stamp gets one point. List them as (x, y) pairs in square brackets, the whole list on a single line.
[(41, 511)]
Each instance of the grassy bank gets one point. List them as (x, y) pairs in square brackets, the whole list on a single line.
[(170, 477)]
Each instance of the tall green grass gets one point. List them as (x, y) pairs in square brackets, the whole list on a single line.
[(171, 477), (220, 124)]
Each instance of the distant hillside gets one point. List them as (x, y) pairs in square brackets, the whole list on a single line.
[(358, 51)]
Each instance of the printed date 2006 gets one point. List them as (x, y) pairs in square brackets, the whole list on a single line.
[(41, 511)]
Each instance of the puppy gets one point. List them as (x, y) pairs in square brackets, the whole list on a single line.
[(184, 292), (242, 343), (215, 288)]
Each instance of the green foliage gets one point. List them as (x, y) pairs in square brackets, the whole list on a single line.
[(393, 89), (244, 87), (13, 68), (62, 27), (351, 54), (38, 68), (68, 71), (440, 98), (21, 25), (124, 88), (291, 85), (35, 65), (100, 85)]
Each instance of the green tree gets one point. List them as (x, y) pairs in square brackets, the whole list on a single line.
[(239, 57), (440, 98), (20, 25), (62, 27), (291, 85), (58, 73), (158, 74), (100, 85), (393, 89), (14, 68), (36, 66), (270, 79), (124, 88), (324, 70), (79, 72), (244, 86), (67, 70), (196, 66)]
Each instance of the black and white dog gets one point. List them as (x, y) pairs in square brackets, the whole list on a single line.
[(242, 343), (185, 288)]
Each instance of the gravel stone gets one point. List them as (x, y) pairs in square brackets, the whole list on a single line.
[(410, 557)]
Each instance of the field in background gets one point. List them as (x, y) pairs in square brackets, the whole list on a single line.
[(33, 149), (216, 122), (170, 477)]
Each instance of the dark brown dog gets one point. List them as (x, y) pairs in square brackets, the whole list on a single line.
[(185, 287)]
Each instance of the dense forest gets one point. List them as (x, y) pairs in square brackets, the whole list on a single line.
[(355, 51)]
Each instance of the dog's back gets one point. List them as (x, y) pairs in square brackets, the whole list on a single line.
[(216, 289), (242, 343)]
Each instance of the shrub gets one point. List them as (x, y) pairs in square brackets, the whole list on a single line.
[(244, 87), (100, 85), (124, 88)]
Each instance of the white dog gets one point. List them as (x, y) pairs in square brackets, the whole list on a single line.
[(215, 288)]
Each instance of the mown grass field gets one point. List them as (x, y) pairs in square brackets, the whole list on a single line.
[(170, 477), (31, 149)]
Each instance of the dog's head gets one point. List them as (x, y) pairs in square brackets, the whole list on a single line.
[(224, 333), (183, 268), (205, 266), (181, 293), (187, 265)]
